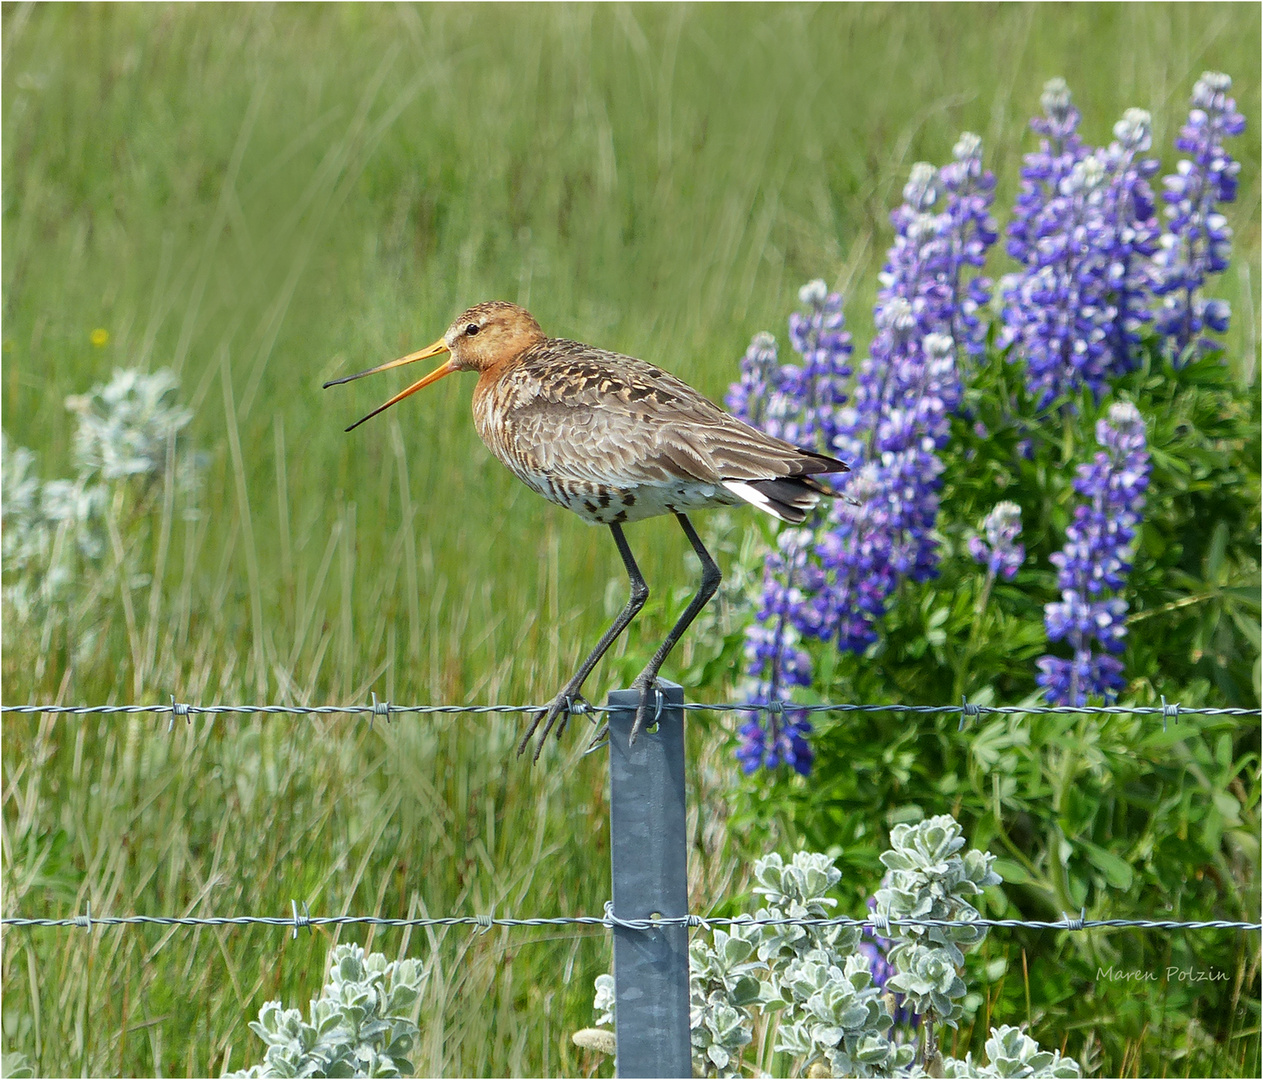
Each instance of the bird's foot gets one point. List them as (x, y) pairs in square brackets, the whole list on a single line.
[(649, 710), (558, 712)]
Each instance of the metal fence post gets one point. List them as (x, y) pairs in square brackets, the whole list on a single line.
[(648, 856)]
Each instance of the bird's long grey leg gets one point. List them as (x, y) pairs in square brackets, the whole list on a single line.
[(560, 706), (710, 582)]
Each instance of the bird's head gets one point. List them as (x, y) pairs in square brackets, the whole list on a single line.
[(483, 338)]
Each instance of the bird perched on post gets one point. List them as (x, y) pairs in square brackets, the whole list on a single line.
[(614, 439)]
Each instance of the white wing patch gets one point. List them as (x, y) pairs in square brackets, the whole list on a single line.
[(754, 497)]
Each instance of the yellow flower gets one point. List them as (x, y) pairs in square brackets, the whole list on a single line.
[(100, 337)]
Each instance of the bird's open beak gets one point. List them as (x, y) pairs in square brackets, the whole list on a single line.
[(439, 346)]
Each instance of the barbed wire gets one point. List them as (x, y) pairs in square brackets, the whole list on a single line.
[(386, 709), (877, 923)]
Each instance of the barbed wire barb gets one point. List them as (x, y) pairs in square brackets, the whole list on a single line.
[(300, 920), (380, 708), (1169, 711)]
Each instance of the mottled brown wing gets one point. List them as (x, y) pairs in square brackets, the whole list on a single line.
[(587, 414)]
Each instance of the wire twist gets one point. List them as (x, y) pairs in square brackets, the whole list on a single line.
[(300, 920), (967, 712), (178, 708), (1169, 712)]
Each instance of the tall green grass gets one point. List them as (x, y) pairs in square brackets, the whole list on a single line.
[(264, 198)]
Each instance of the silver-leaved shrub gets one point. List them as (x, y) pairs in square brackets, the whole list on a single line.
[(61, 537), (1011, 1052), (357, 1027), (814, 987), (930, 879)]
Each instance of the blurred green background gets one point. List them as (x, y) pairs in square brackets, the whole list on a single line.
[(265, 197)]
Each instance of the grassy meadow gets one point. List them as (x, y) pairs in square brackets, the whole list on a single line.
[(262, 198)]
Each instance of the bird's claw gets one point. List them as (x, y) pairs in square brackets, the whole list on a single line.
[(561, 707), (648, 711)]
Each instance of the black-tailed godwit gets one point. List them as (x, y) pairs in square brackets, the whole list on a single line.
[(614, 439)]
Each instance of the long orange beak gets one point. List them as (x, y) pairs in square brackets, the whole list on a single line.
[(439, 346)]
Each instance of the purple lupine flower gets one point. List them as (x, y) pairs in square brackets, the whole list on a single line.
[(1094, 564), (943, 227), (821, 382), (1198, 240), (1083, 227), (757, 397), (774, 660), (970, 192), (879, 967), (905, 390), (1061, 309), (798, 403), (775, 664), (1132, 233), (774, 738), (1053, 308), (1000, 552), (856, 552), (836, 584), (1043, 171)]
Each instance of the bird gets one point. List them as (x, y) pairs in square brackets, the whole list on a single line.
[(614, 439)]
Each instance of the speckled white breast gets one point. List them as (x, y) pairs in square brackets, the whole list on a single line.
[(605, 505)]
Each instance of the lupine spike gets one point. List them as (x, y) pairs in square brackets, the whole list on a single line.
[(833, 580), (905, 392), (1083, 229), (1198, 241), (1094, 564), (1000, 551), (799, 403)]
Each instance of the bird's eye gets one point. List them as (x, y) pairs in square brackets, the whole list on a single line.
[(472, 329)]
